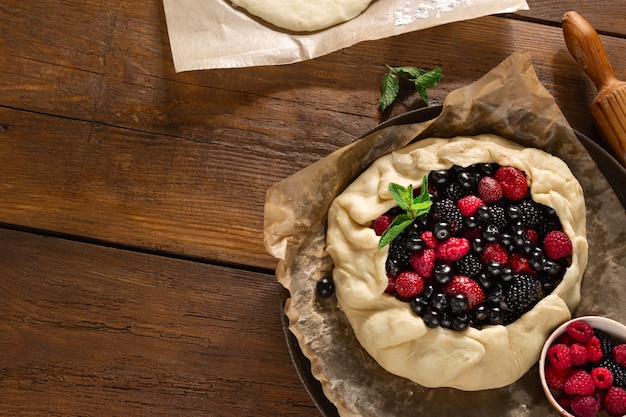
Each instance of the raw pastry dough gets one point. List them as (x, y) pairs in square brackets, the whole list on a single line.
[(304, 15), (387, 328)]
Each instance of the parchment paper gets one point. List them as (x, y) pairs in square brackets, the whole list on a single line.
[(508, 101), (207, 34)]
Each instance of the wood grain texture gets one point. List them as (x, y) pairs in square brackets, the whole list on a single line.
[(131, 197), (129, 152), (605, 15), (88, 330)]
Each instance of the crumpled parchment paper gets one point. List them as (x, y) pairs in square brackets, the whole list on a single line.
[(508, 101), (207, 34)]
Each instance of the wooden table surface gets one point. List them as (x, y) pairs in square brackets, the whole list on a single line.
[(134, 280)]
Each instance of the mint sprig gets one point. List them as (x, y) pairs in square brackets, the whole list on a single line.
[(413, 207), (421, 79)]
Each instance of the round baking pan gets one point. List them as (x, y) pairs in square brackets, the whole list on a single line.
[(614, 172)]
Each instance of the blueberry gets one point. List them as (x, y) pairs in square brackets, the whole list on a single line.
[(438, 178), (494, 269), (551, 268), (441, 230), (466, 180), (439, 302), (470, 222), (482, 214), (485, 281), (514, 213), (495, 315), (442, 274), (481, 313), (393, 267), (432, 319), (458, 303), (477, 245), (429, 290), (415, 243), (506, 241), (460, 321), (325, 287), (507, 274), (419, 305), (491, 233)]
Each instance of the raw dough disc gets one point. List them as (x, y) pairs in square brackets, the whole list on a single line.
[(304, 15)]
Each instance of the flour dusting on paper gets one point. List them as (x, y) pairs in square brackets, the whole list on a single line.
[(416, 10)]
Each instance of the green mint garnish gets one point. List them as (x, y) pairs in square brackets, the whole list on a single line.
[(421, 79), (413, 207)]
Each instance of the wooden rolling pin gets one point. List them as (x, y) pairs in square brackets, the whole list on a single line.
[(608, 109)]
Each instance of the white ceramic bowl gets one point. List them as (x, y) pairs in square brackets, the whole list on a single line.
[(612, 327)]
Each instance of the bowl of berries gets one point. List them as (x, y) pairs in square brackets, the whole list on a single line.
[(583, 367)]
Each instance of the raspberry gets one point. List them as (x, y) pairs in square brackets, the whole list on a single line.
[(602, 377), (618, 371), (430, 239), (381, 224), (565, 401), (452, 249), (409, 284), (559, 356), (469, 204), (579, 382), (619, 354), (467, 287), (555, 378), (580, 331), (423, 262), (520, 264), (557, 245), (489, 190), (585, 406), (594, 349), (578, 354), (513, 182), (494, 252), (615, 401)]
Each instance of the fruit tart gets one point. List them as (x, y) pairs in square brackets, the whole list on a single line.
[(455, 258)]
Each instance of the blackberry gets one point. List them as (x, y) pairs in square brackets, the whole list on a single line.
[(497, 216), (523, 293), (606, 342), (549, 221), (399, 257), (454, 191), (531, 214), (469, 265), (446, 211)]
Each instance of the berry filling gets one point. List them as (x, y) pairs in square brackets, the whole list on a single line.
[(485, 252)]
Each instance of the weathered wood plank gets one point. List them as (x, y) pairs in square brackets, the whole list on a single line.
[(88, 330)]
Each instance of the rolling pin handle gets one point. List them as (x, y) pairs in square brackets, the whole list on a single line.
[(585, 46)]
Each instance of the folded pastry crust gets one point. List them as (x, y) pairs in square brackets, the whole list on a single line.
[(386, 327)]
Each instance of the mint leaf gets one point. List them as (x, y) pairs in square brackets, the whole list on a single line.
[(389, 87), (402, 195), (413, 206), (421, 79), (409, 72), (429, 79), (400, 223)]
